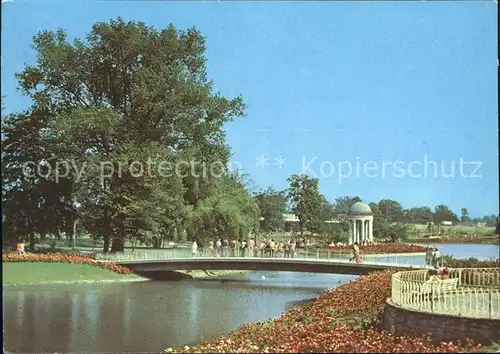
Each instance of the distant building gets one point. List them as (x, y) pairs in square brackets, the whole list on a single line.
[(481, 224), (446, 223), (291, 220)]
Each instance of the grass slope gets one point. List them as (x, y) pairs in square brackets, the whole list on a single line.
[(35, 273)]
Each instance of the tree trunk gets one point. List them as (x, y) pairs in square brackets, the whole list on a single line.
[(74, 234), (32, 242), (106, 230), (105, 248), (118, 244)]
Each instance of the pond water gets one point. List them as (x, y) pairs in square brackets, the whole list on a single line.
[(153, 315), (478, 251)]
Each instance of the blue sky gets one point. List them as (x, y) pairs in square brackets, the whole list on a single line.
[(330, 84)]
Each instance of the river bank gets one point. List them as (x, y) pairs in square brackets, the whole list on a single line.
[(344, 319), (31, 273)]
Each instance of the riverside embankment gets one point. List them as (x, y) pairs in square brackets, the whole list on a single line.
[(131, 316)]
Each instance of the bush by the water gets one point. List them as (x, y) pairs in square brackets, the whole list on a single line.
[(341, 320), (474, 276), (381, 248), (459, 240), (63, 258), (451, 262)]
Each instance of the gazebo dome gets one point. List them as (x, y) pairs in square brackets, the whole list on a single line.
[(360, 208)]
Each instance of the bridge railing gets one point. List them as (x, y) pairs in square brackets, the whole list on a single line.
[(174, 253), (475, 293)]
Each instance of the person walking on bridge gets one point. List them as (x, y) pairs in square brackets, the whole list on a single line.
[(251, 247), (225, 247), (243, 247), (262, 248), (211, 249), (194, 249), (357, 256), (293, 248), (218, 247)]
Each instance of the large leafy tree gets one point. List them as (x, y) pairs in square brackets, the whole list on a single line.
[(391, 210), (125, 94), (464, 215), (35, 199), (380, 225), (443, 213), (419, 215), (229, 211), (343, 204), (272, 206), (305, 198)]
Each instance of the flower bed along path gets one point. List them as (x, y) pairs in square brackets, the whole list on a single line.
[(63, 258), (381, 248)]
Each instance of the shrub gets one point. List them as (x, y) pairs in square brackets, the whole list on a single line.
[(451, 262), (459, 240)]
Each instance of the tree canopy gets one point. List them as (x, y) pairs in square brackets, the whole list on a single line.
[(103, 109)]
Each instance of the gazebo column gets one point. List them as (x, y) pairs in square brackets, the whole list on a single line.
[(370, 229), (351, 232), (358, 231), (364, 230), (354, 231)]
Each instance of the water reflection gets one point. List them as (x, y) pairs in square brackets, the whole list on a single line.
[(146, 316), (470, 250)]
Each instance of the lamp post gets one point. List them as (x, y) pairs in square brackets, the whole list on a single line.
[(75, 223)]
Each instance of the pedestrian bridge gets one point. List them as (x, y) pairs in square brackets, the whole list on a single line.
[(306, 265)]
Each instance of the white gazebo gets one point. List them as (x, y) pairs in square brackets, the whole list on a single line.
[(360, 223)]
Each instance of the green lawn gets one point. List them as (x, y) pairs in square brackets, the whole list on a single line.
[(35, 273)]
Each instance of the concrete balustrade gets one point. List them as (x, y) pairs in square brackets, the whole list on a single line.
[(476, 292), (182, 253)]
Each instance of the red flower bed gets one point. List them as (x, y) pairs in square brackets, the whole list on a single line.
[(329, 324), (381, 248), (63, 258)]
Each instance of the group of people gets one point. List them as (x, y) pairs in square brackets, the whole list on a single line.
[(363, 243), (250, 248), (356, 257), (433, 257), (436, 275)]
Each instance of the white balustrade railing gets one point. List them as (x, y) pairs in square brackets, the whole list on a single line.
[(323, 255), (477, 277), (476, 293)]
